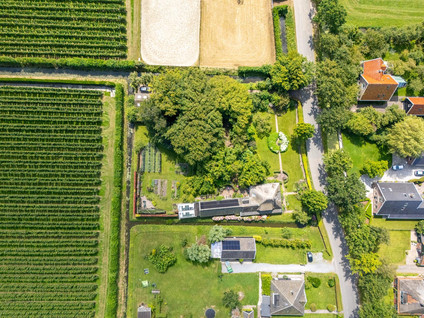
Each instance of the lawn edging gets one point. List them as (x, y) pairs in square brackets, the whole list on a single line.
[(115, 215)]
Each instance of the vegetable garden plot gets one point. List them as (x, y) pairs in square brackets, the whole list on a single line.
[(50, 160), (56, 29)]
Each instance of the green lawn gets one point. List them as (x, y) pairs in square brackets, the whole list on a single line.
[(394, 252), (323, 295), (293, 203), (378, 13), (265, 153), (360, 150), (394, 224), (290, 158), (187, 289)]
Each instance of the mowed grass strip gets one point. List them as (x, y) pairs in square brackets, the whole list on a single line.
[(394, 252), (379, 13)]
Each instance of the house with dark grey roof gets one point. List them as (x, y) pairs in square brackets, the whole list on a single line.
[(418, 162), (397, 200), (234, 249), (409, 296), (287, 298), (263, 199), (144, 312)]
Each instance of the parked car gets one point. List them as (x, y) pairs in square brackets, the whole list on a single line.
[(419, 173), (228, 266), (310, 258), (398, 167)]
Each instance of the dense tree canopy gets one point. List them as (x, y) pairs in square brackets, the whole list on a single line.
[(291, 71), (314, 201), (331, 15), (337, 163), (303, 131), (195, 114), (374, 168), (406, 138)]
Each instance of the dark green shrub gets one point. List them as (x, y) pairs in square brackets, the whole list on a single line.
[(331, 308), (315, 281), (313, 307), (331, 282), (162, 258)]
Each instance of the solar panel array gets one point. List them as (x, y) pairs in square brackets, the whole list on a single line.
[(219, 204), (231, 245)]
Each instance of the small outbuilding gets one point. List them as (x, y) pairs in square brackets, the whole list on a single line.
[(234, 249), (144, 312)]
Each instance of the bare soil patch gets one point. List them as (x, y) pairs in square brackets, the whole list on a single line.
[(236, 33), (170, 32)]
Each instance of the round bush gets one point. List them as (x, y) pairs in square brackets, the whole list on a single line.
[(331, 282), (331, 308), (315, 281), (313, 307)]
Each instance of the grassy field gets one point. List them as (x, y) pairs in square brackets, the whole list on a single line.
[(323, 295), (394, 224), (178, 285), (360, 150), (293, 203), (394, 252), (384, 12), (134, 29), (240, 35), (187, 289), (290, 158)]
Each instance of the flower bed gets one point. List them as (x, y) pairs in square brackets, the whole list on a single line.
[(278, 142)]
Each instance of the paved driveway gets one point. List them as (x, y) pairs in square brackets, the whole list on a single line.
[(249, 267)]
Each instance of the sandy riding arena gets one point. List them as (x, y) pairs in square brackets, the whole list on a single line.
[(170, 32), (236, 33)]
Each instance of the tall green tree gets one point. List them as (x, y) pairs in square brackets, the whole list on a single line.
[(314, 201), (331, 15), (303, 131), (337, 163), (345, 192), (291, 72), (406, 138)]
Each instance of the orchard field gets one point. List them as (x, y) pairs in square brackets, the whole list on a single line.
[(57, 29), (50, 165)]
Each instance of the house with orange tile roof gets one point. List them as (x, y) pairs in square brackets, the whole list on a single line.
[(414, 106), (375, 84)]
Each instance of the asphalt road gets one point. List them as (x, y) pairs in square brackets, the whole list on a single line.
[(303, 15)]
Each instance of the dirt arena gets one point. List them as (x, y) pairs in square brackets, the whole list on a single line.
[(236, 33), (170, 32)]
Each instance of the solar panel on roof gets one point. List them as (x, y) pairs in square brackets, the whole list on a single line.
[(219, 204), (231, 245)]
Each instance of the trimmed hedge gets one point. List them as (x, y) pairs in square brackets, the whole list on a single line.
[(115, 213), (290, 31), (261, 71), (266, 284), (277, 12), (286, 12), (293, 243), (87, 64), (55, 81)]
